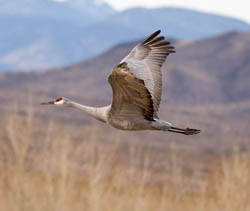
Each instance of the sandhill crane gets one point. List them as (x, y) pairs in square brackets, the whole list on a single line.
[(137, 85)]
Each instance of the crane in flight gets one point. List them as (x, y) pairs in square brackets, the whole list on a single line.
[(137, 86)]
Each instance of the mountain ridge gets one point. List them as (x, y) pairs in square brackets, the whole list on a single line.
[(36, 43), (211, 70)]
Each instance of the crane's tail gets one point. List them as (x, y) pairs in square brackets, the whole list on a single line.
[(187, 131)]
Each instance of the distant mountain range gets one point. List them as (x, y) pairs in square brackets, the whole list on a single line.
[(42, 34), (211, 70), (76, 12)]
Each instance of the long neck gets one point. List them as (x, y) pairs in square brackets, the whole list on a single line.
[(98, 113)]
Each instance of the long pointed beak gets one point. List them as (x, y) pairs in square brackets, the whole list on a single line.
[(48, 103)]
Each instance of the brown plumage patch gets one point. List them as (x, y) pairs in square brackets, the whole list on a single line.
[(127, 89)]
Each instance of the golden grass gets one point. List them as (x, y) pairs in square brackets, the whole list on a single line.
[(49, 168)]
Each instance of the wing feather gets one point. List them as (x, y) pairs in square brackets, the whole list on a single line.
[(145, 62), (137, 81)]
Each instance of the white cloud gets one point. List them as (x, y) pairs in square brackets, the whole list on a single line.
[(239, 8)]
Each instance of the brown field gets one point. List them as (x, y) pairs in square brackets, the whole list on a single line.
[(47, 166)]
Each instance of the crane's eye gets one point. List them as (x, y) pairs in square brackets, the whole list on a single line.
[(59, 99)]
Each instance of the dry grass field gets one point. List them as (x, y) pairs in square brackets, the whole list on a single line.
[(45, 166)]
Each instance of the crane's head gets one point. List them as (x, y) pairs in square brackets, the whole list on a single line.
[(58, 101)]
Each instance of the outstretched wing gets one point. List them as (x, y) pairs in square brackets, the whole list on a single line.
[(136, 81)]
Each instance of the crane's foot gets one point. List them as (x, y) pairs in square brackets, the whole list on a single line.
[(187, 131)]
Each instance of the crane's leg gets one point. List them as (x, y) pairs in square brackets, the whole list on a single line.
[(159, 124), (187, 131)]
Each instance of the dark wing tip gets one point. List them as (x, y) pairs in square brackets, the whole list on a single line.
[(158, 43), (152, 36), (157, 32)]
